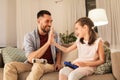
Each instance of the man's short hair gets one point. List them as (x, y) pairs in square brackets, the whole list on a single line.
[(42, 12)]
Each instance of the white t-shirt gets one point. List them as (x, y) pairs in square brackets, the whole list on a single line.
[(87, 52)]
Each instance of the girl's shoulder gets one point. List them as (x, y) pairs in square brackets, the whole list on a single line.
[(98, 40)]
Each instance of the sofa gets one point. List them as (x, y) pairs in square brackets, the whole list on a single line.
[(114, 75)]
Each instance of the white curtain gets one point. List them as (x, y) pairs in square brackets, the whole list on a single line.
[(75, 10), (25, 18), (8, 23), (111, 32)]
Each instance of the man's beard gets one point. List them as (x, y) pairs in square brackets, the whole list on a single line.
[(43, 29)]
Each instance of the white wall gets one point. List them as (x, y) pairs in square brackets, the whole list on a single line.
[(7, 23)]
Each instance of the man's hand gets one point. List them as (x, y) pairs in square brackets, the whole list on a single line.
[(81, 64), (58, 67), (51, 36)]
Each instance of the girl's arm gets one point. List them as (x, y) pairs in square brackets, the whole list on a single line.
[(64, 49), (97, 62)]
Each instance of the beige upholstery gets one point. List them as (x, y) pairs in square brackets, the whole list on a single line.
[(99, 77), (69, 56), (47, 76), (50, 76), (54, 76)]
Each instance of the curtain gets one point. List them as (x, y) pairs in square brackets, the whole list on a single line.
[(25, 18), (75, 10), (8, 23), (110, 32)]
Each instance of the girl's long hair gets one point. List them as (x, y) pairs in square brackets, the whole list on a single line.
[(87, 21)]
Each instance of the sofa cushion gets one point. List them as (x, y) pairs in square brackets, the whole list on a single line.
[(104, 68), (47, 76), (107, 66), (107, 52), (13, 54), (99, 77), (50, 76), (54, 76)]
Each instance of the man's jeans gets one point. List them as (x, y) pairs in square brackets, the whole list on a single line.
[(11, 70)]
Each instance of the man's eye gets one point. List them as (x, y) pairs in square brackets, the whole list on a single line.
[(51, 21), (47, 21)]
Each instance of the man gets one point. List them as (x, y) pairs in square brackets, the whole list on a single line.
[(37, 45)]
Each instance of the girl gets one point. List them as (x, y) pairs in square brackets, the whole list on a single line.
[(90, 51)]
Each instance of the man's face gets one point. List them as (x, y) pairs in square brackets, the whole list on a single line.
[(45, 23)]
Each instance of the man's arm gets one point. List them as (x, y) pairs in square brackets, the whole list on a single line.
[(30, 50), (38, 53), (58, 57), (58, 65)]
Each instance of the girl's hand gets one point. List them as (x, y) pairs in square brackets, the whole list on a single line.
[(81, 64)]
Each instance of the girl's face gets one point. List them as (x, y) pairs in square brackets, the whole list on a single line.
[(79, 30)]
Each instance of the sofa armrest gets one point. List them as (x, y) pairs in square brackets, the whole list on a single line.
[(115, 58), (1, 61)]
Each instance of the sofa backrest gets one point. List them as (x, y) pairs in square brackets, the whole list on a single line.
[(69, 56)]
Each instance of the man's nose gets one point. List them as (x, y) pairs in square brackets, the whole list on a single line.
[(50, 23)]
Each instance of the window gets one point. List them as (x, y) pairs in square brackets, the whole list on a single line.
[(90, 4)]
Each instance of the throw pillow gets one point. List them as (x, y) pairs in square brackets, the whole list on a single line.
[(104, 68), (13, 54), (107, 66), (107, 52)]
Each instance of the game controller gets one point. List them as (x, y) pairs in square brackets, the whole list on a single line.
[(36, 60), (69, 64)]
